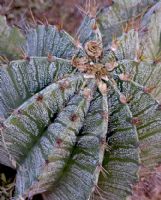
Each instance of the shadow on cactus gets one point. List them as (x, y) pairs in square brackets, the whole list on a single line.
[(79, 117)]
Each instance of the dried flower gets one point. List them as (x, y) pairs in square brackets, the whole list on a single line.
[(80, 63), (93, 49)]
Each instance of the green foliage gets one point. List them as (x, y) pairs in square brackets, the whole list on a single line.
[(78, 118), (11, 40)]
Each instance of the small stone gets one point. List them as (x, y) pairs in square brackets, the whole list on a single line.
[(91, 63)]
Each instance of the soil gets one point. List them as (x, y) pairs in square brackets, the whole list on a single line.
[(149, 186), (67, 12)]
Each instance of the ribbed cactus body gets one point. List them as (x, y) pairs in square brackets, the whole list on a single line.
[(79, 116)]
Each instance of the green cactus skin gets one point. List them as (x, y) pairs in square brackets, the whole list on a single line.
[(79, 117)]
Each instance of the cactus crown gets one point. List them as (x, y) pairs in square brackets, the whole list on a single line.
[(78, 117)]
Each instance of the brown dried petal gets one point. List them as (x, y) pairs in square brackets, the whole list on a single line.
[(93, 49), (80, 63)]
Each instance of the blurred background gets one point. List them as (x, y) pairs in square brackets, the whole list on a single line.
[(53, 11)]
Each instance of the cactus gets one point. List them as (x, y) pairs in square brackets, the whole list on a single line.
[(112, 19), (11, 40), (79, 116)]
